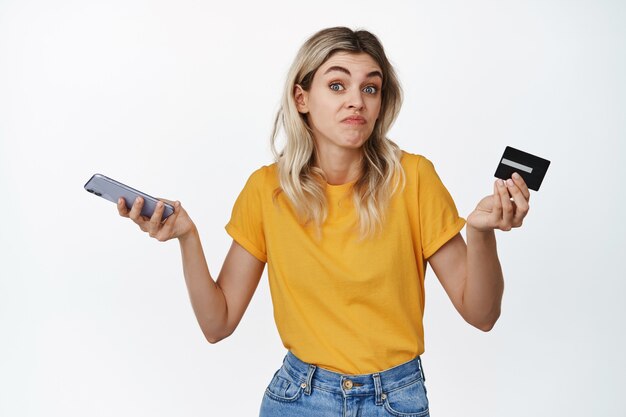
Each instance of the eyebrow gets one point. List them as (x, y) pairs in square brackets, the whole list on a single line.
[(345, 70)]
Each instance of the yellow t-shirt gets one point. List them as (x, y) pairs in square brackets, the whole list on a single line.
[(349, 305)]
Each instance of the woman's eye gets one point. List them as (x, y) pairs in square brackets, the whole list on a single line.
[(336, 87), (370, 89)]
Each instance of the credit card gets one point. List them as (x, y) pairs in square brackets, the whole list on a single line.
[(532, 168)]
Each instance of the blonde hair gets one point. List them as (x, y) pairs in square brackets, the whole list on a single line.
[(381, 173)]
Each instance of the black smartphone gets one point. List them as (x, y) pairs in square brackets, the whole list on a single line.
[(112, 190)]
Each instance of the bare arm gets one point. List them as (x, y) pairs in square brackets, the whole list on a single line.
[(471, 275), (218, 306)]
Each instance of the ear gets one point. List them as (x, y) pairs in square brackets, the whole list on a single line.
[(301, 96)]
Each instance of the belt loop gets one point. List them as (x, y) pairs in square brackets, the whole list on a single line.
[(419, 361), (309, 379), (378, 388)]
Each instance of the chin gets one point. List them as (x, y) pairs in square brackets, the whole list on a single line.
[(351, 144), (356, 143)]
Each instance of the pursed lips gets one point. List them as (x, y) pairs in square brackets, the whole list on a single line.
[(354, 120)]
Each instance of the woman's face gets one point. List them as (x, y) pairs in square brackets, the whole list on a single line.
[(344, 100)]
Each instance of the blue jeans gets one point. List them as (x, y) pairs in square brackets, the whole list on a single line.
[(300, 389)]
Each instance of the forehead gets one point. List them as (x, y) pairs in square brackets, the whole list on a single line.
[(356, 63)]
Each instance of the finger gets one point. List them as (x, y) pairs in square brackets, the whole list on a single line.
[(520, 206), (496, 209), (507, 206), (135, 211), (155, 220), (170, 202), (171, 219), (519, 181), (121, 207), (169, 223)]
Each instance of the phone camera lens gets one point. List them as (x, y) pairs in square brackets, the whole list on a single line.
[(98, 194), (90, 190)]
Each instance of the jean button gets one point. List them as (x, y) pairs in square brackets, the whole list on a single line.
[(347, 384)]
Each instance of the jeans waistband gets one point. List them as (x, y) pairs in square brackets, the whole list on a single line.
[(312, 377)]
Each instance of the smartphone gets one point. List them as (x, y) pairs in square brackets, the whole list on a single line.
[(112, 190)]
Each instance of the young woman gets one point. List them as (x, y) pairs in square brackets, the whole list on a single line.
[(346, 222)]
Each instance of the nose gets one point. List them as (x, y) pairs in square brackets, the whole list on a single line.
[(355, 100)]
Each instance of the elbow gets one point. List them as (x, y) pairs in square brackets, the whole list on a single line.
[(214, 338), (215, 330), (485, 324)]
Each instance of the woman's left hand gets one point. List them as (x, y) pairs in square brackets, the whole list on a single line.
[(504, 209)]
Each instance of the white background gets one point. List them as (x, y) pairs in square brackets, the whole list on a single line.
[(178, 99)]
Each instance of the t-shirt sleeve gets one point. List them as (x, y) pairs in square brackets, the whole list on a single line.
[(246, 221), (439, 218)]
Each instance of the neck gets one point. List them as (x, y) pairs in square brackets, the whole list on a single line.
[(340, 165)]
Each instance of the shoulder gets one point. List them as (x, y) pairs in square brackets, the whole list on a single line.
[(415, 163), (263, 177)]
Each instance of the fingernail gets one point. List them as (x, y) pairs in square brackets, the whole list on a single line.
[(510, 183), (516, 176), (159, 204), (500, 183)]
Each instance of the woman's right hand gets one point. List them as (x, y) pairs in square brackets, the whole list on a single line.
[(177, 225)]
